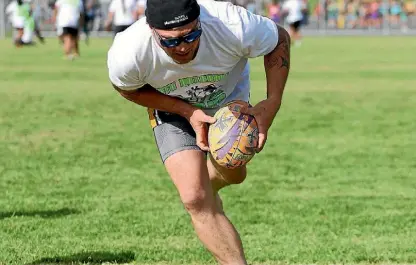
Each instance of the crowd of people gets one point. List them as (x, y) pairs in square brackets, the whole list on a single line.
[(366, 14), (69, 18), (353, 14)]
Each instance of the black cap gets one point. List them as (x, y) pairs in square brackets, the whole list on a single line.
[(169, 14)]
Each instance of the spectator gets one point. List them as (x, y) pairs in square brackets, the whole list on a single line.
[(121, 14), (274, 11), (293, 10), (16, 13), (352, 10), (68, 15), (332, 13)]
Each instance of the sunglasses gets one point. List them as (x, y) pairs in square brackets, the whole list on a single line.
[(174, 42)]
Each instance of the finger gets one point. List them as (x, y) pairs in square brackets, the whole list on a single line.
[(247, 110), (262, 141), (202, 139), (209, 119), (203, 146), (243, 109)]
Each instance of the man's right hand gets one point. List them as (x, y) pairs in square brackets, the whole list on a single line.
[(107, 26), (149, 97), (198, 120)]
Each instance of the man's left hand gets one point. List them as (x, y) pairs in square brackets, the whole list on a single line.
[(264, 113)]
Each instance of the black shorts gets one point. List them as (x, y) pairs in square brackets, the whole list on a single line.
[(70, 31), (296, 25), (172, 132), (118, 29)]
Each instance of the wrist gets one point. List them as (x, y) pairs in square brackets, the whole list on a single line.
[(275, 103), (185, 109)]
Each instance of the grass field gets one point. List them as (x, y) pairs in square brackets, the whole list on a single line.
[(81, 180)]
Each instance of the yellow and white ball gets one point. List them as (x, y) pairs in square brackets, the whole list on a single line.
[(234, 136)]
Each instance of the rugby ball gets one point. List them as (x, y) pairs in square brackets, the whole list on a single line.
[(234, 136)]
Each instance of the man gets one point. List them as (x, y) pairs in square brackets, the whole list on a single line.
[(121, 13), (68, 15), (31, 27), (183, 61), (29, 31), (88, 16), (294, 11), (16, 12)]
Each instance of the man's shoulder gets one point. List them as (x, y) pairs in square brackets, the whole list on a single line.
[(139, 33), (223, 19), (135, 41), (225, 12)]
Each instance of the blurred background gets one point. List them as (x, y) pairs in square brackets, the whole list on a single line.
[(323, 16), (81, 181)]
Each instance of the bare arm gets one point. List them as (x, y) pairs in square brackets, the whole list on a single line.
[(149, 97), (109, 20), (55, 13), (276, 65)]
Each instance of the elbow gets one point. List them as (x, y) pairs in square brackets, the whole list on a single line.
[(127, 94), (120, 91), (284, 35)]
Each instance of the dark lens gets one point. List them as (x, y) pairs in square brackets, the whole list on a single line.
[(191, 37), (170, 43)]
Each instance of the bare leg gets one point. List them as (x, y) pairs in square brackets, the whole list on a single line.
[(211, 225), (298, 37), (295, 35), (221, 177), (76, 46), (18, 38), (67, 45)]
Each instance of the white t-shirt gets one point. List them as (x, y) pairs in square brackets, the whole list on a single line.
[(126, 16), (218, 74), (12, 11), (294, 9), (69, 12)]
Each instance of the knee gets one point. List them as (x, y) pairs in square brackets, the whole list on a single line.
[(197, 201)]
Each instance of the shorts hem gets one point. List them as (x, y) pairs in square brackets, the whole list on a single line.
[(177, 150)]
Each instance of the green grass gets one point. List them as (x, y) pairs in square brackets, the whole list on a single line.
[(81, 180)]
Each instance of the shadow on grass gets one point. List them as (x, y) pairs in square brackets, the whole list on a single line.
[(91, 258), (43, 214)]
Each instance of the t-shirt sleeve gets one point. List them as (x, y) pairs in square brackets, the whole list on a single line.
[(123, 69), (259, 35)]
